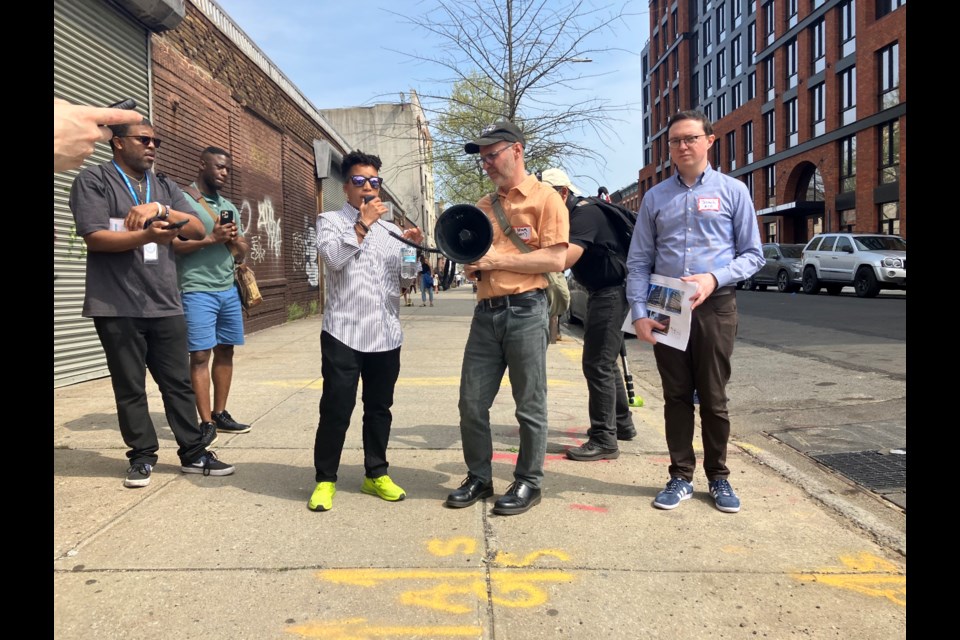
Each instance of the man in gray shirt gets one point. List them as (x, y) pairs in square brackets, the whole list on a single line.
[(128, 216)]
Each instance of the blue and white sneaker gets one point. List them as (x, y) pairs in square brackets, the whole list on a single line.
[(676, 491), (723, 496)]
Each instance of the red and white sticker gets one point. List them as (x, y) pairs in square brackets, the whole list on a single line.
[(523, 233), (708, 204)]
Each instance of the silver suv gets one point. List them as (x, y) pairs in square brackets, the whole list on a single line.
[(868, 262)]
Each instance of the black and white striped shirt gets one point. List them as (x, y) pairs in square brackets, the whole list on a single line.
[(363, 282)]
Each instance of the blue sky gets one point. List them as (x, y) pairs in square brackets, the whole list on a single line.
[(342, 54)]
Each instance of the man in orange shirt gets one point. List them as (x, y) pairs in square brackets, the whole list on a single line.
[(510, 322)]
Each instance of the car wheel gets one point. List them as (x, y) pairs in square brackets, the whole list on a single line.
[(834, 289), (865, 283), (811, 284), (783, 283), (749, 284)]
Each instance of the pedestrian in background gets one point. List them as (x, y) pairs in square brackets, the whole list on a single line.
[(426, 281)]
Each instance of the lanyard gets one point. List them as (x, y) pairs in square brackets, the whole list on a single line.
[(126, 181)]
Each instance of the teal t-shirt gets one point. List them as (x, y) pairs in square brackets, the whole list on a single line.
[(210, 268)]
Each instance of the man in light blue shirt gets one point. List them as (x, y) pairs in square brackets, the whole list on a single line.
[(700, 226)]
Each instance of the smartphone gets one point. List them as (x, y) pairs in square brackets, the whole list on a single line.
[(175, 225), (129, 103), (226, 217)]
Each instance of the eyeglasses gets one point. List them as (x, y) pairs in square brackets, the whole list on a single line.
[(359, 181), (145, 140), (689, 140), (490, 157)]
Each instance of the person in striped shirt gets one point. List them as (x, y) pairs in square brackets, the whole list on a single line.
[(361, 334)]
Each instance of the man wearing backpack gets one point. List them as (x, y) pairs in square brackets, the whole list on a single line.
[(597, 259)]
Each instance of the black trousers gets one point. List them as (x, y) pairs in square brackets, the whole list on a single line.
[(704, 366), (342, 368), (602, 336), (131, 346)]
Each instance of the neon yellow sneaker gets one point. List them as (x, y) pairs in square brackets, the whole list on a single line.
[(383, 487), (322, 498)]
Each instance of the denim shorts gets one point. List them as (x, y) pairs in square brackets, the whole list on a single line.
[(213, 317)]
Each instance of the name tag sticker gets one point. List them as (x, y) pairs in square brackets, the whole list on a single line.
[(708, 204), (523, 233), (150, 253)]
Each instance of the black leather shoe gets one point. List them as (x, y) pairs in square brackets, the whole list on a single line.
[(519, 498), (627, 434), (592, 451), (471, 490)]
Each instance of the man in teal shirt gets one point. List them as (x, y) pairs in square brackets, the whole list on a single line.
[(211, 303)]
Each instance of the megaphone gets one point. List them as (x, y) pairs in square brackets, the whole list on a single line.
[(463, 233)]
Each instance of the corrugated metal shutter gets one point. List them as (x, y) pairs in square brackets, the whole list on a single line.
[(333, 196), (100, 56)]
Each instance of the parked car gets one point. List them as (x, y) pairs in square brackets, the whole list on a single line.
[(868, 262), (577, 312), (782, 269)]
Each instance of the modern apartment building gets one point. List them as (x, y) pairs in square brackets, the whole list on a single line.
[(808, 100)]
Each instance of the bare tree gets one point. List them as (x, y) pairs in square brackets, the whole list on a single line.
[(519, 60)]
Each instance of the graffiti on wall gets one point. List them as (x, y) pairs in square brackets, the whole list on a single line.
[(305, 254), (268, 229)]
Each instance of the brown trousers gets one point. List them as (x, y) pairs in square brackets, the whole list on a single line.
[(704, 367)]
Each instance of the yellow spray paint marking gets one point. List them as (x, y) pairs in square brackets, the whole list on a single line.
[(576, 355), (355, 629), (448, 547), (509, 560), (871, 576), (449, 381)]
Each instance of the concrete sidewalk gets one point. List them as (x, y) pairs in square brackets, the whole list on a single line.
[(243, 557)]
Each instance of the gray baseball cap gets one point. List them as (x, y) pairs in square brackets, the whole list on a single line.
[(502, 130)]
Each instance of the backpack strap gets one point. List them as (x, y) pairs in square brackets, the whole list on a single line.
[(505, 226)]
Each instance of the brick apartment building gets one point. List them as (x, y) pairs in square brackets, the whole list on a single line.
[(808, 100)]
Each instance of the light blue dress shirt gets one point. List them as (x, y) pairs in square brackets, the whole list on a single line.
[(710, 227)]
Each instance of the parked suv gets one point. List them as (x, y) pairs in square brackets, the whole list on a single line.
[(868, 262), (782, 268)]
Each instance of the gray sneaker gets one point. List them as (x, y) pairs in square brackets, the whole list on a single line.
[(138, 475), (208, 465)]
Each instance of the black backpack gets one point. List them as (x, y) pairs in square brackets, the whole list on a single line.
[(622, 221)]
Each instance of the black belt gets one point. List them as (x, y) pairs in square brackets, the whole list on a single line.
[(525, 299)]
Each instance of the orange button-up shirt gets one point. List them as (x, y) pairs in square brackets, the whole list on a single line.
[(540, 218)]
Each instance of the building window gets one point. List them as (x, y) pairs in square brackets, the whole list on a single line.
[(708, 111), (721, 68), (694, 89), (818, 47), (707, 37), (769, 24), (751, 7), (818, 3), (676, 27), (848, 220), (737, 93), (708, 79), (771, 185), (771, 232), (721, 24), (736, 10), (792, 13), (770, 131), (736, 56), (748, 180), (769, 79), (752, 43), (890, 76), (676, 63), (791, 63), (793, 135), (752, 85), (721, 106), (731, 150), (848, 164), (748, 142), (694, 48), (889, 151), (890, 218), (818, 109), (848, 28), (848, 96), (716, 155), (886, 6)]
